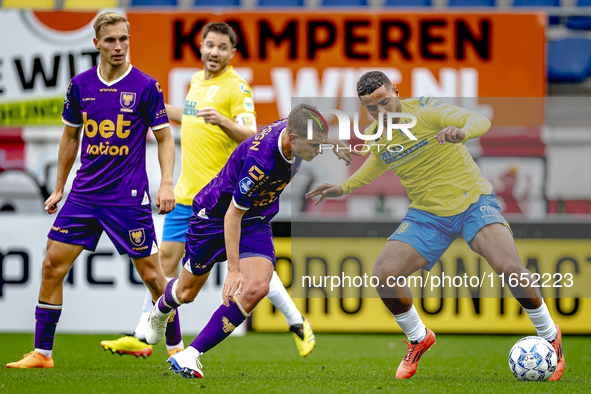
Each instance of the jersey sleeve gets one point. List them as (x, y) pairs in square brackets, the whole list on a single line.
[(71, 113), (252, 174), (371, 169), (242, 106), (156, 111), (441, 115)]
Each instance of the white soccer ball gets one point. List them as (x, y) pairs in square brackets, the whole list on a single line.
[(532, 358)]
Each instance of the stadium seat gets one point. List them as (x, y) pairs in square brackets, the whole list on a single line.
[(344, 3), (35, 4), (569, 60), (580, 22), (553, 20), (281, 3), (89, 4), (408, 3), (153, 3), (217, 3), (471, 3)]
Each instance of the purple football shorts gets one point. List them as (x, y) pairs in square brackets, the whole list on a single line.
[(205, 244), (131, 229)]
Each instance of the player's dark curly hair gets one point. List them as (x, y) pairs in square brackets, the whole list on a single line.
[(222, 28), (297, 121), (372, 81)]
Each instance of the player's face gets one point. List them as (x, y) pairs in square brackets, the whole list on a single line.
[(113, 44), (216, 52), (382, 100), (305, 148)]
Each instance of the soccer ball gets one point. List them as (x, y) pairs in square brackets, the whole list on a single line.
[(532, 358)]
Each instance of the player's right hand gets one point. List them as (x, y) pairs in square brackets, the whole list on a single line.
[(51, 202), (232, 285), (325, 190)]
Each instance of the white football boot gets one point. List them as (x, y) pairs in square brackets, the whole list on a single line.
[(186, 364), (156, 326)]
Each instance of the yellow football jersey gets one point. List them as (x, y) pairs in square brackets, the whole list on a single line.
[(440, 179), (206, 147)]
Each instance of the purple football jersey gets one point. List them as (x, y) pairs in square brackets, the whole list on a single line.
[(116, 116), (253, 178)]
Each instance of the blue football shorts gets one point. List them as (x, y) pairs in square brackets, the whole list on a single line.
[(176, 223), (431, 235)]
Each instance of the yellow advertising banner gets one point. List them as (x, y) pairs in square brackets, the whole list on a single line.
[(447, 306)]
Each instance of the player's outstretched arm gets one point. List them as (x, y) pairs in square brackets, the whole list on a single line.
[(235, 131), (450, 134), (325, 190), (174, 113), (232, 227), (341, 149), (165, 197), (65, 160)]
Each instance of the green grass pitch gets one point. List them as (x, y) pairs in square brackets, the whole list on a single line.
[(269, 363)]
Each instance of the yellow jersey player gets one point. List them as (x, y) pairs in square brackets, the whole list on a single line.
[(217, 115), (449, 198)]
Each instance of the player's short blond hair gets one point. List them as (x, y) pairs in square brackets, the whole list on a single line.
[(108, 18)]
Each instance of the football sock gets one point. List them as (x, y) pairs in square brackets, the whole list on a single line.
[(173, 331), (542, 322), (140, 330), (47, 317), (282, 301), (412, 325), (220, 326), (169, 301)]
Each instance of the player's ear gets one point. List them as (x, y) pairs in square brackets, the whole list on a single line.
[(232, 52), (96, 41), (396, 91)]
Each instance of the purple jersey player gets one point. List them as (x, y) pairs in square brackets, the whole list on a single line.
[(231, 221), (114, 105)]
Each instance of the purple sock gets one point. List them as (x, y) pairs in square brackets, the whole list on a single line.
[(167, 302), (221, 324), (46, 317), (173, 329)]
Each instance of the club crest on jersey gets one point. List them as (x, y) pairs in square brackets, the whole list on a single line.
[(244, 88), (127, 99), (245, 185), (137, 237), (211, 92)]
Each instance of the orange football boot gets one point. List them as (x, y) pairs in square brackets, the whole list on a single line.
[(175, 350), (410, 362), (557, 344), (32, 360)]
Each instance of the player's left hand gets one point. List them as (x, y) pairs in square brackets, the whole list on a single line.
[(232, 285), (211, 115), (450, 134), (165, 200)]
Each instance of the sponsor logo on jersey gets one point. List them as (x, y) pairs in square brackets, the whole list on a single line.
[(436, 103), (244, 88), (189, 108), (137, 237), (256, 173), (248, 104), (245, 185)]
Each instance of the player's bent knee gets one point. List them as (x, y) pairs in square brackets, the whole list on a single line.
[(53, 269), (186, 295), (256, 291)]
